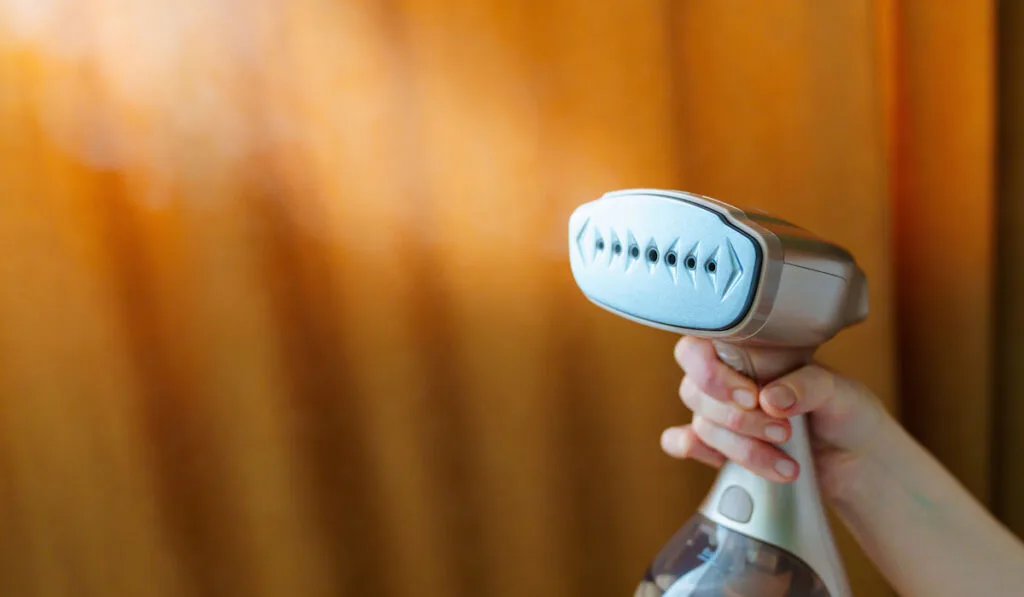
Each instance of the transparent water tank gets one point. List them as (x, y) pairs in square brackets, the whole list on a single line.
[(705, 559)]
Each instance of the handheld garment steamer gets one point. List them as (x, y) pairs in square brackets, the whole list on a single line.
[(696, 266)]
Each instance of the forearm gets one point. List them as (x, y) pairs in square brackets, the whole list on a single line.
[(923, 530)]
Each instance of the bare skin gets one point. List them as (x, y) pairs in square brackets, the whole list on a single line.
[(919, 525)]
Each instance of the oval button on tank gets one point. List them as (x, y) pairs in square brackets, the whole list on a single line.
[(736, 504)]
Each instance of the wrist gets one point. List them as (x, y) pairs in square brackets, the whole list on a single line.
[(920, 527), (849, 476)]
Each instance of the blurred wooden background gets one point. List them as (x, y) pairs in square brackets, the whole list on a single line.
[(285, 307)]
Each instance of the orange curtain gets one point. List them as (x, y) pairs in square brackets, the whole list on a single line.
[(285, 306)]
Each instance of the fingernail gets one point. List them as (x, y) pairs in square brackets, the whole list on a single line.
[(744, 398), (775, 433), (781, 397), (786, 468)]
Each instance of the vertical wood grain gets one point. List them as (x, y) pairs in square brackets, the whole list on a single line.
[(799, 111)]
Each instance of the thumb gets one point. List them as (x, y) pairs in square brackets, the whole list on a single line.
[(843, 409)]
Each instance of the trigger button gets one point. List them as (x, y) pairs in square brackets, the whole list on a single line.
[(736, 504)]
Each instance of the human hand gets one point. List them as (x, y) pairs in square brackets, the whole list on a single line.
[(734, 419)]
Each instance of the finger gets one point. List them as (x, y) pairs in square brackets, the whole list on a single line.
[(808, 389), (682, 442), (698, 359), (754, 455), (845, 413), (752, 423)]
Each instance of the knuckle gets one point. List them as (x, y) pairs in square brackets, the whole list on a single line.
[(709, 378), (688, 393), (702, 427), (694, 445), (684, 349), (693, 353), (678, 351), (701, 377), (690, 402), (747, 452), (713, 376), (690, 344), (818, 381), (734, 419), (854, 391)]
